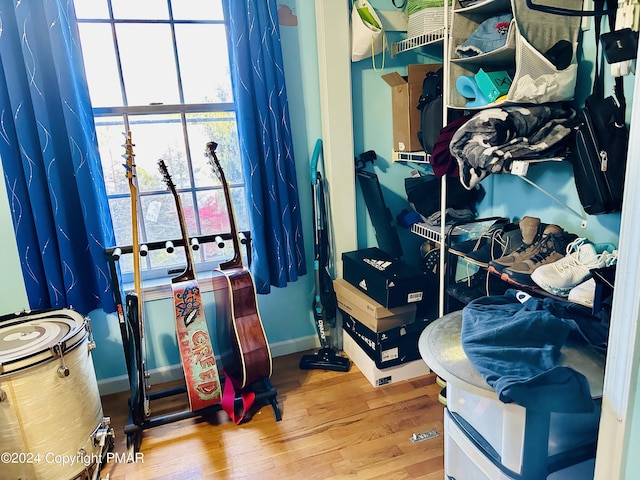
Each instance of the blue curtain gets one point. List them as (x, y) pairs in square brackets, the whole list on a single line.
[(50, 158), (265, 142)]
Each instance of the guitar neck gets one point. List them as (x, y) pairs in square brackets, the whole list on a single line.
[(189, 272), (133, 191), (137, 284), (236, 260)]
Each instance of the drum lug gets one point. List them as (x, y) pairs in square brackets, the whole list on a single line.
[(63, 370), (103, 432), (103, 437), (92, 344)]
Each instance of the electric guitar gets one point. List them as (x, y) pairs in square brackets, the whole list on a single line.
[(194, 342), (139, 400), (251, 359)]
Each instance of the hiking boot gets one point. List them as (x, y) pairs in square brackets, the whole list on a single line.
[(559, 277), (530, 233), (551, 247)]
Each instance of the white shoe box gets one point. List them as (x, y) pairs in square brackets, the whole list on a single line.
[(464, 461), (377, 377)]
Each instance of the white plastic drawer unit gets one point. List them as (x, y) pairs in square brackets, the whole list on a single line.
[(512, 437), (464, 461)]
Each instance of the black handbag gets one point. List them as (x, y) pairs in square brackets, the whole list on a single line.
[(601, 142)]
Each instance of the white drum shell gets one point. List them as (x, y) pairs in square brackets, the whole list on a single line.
[(48, 418)]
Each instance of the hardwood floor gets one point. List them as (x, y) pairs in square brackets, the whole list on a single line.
[(334, 425)]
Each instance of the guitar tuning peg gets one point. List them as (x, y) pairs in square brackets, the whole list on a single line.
[(219, 241), (195, 244), (144, 250)]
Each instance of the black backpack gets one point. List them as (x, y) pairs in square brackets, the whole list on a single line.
[(430, 106), (601, 140)]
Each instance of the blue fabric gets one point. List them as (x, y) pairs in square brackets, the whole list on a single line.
[(265, 142), (50, 158), (516, 347)]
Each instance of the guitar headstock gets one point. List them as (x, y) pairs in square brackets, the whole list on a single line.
[(129, 156), (210, 153), (165, 176)]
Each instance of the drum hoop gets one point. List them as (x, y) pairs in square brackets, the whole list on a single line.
[(68, 343)]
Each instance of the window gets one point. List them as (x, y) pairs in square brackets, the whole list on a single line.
[(160, 69)]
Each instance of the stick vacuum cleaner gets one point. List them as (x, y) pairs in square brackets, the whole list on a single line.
[(324, 300)]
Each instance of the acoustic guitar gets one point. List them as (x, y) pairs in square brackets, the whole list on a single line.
[(194, 342), (139, 400), (251, 358)]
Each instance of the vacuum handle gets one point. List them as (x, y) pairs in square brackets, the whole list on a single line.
[(314, 160)]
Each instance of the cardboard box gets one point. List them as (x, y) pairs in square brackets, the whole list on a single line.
[(389, 348), (405, 94), (366, 310), (387, 280), (377, 377)]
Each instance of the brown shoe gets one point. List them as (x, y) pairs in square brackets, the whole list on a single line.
[(531, 231), (551, 247)]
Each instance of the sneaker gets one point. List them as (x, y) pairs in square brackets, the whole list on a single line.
[(530, 233), (559, 277), (550, 248), (583, 293), (468, 247), (503, 241)]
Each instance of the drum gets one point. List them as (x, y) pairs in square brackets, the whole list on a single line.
[(51, 419)]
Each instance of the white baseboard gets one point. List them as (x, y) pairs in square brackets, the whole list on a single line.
[(170, 373)]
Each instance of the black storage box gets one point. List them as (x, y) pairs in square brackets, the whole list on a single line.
[(389, 348), (389, 281)]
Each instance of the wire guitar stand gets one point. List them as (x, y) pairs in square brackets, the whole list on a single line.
[(265, 393)]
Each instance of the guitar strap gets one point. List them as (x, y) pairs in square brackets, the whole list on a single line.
[(229, 397)]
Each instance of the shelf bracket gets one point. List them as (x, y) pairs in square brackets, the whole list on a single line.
[(582, 216)]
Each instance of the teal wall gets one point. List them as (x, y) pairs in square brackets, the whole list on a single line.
[(13, 296)]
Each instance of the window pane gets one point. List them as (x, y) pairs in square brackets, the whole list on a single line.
[(155, 137), (110, 143), (100, 64), (205, 79), (148, 64), (121, 217), (219, 127), (213, 253), (148, 9), (91, 9), (161, 217), (161, 258), (213, 212), (240, 208), (197, 9)]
